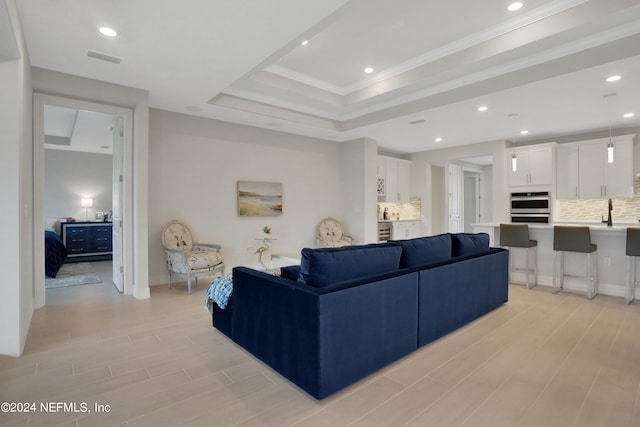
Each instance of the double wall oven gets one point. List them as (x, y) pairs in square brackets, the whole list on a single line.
[(533, 207)]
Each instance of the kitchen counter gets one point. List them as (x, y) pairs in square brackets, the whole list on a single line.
[(611, 255), (398, 220)]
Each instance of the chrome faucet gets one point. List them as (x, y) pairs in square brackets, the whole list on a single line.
[(609, 221)]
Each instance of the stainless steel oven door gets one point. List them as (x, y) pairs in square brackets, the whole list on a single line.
[(530, 204), (537, 218)]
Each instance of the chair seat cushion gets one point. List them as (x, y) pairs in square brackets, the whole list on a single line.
[(197, 260)]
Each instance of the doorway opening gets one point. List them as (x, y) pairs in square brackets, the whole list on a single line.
[(469, 183), (82, 170), (472, 199)]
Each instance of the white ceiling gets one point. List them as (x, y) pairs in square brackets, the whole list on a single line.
[(542, 68), (78, 130)]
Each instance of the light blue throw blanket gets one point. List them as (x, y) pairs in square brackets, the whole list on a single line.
[(219, 292)]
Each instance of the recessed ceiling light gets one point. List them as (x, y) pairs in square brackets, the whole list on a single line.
[(524, 132), (368, 70), (304, 42), (483, 108), (108, 31), (613, 78), (515, 6), (628, 115), (438, 139)]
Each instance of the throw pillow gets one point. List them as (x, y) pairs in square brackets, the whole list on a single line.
[(424, 250), (322, 267), (469, 243)]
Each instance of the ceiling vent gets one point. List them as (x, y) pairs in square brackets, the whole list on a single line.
[(415, 122), (103, 57)]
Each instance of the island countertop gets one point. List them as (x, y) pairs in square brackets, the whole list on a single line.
[(595, 226)]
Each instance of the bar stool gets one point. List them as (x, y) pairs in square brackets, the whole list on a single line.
[(633, 251), (517, 236), (575, 239)]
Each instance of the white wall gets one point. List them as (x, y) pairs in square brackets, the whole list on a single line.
[(16, 193), (358, 187), (71, 175), (194, 166)]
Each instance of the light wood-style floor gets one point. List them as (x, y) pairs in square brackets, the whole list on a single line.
[(540, 360)]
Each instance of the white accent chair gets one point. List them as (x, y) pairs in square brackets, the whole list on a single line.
[(189, 259), (332, 235)]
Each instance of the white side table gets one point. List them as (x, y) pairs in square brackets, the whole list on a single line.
[(283, 259)]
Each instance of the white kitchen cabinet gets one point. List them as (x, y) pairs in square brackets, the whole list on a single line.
[(397, 179), (600, 179), (405, 230), (381, 174), (567, 173), (618, 176), (534, 165)]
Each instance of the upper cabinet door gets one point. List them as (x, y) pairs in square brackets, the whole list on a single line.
[(591, 157), (618, 175), (392, 180), (534, 166), (518, 168), (404, 180), (381, 184), (541, 166), (567, 173), (601, 179)]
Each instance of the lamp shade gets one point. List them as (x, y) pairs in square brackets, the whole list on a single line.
[(86, 202)]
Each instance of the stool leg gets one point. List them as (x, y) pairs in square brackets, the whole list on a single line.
[(561, 270), (555, 288), (631, 279), (527, 267), (590, 282), (595, 273), (535, 264)]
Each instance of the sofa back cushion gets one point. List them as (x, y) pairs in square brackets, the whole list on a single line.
[(469, 243), (424, 250), (324, 266), (290, 272)]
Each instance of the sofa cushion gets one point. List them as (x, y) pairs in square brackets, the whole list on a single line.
[(290, 272), (321, 267), (423, 250), (469, 243)]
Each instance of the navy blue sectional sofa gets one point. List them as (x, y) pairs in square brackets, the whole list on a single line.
[(344, 313)]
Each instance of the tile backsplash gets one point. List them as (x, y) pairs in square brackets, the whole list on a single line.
[(406, 211), (593, 210)]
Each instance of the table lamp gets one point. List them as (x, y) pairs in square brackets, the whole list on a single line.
[(86, 203)]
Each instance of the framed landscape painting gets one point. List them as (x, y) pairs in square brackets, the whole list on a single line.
[(259, 198)]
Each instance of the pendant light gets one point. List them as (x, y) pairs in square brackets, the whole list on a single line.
[(514, 158), (610, 147), (610, 151)]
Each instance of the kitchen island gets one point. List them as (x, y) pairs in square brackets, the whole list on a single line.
[(611, 256)]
